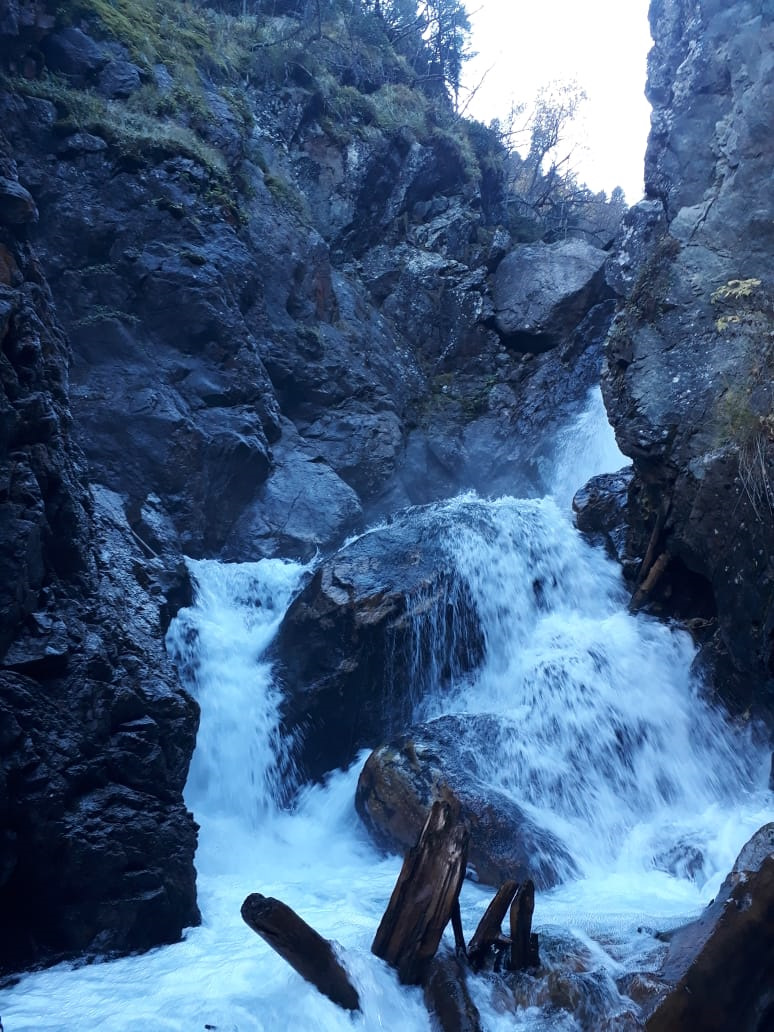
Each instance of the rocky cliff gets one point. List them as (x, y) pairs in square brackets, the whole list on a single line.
[(96, 847), (690, 358)]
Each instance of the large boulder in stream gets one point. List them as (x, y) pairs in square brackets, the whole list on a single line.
[(381, 623), (440, 759), (718, 971)]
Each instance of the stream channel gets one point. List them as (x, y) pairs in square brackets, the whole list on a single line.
[(605, 741)]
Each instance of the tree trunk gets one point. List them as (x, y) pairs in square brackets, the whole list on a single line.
[(424, 896), (523, 943), (302, 947)]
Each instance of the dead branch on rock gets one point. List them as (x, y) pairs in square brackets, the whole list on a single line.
[(489, 933), (646, 588)]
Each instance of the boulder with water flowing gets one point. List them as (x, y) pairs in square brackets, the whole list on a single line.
[(442, 759), (381, 622), (718, 971)]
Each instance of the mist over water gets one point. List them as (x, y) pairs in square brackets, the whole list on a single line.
[(603, 737)]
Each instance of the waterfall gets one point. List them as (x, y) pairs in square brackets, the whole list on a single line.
[(603, 737)]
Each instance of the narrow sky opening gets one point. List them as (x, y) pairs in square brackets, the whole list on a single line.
[(601, 44)]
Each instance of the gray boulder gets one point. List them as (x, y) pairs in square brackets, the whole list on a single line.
[(119, 79), (72, 52), (382, 622), (16, 203), (542, 291)]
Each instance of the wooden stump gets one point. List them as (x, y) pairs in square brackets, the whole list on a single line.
[(524, 952), (302, 947), (424, 896)]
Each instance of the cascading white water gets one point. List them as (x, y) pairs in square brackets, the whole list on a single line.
[(603, 736)]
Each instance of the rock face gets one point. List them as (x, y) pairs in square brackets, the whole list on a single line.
[(690, 359), (438, 760), (272, 309), (718, 968), (96, 846), (381, 625)]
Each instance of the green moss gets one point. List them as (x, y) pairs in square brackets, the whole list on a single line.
[(397, 106), (135, 134), (100, 314), (168, 31), (287, 196)]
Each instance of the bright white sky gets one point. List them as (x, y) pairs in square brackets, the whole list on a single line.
[(602, 44)]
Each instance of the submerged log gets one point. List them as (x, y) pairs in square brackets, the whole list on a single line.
[(489, 931), (424, 896), (447, 996), (302, 947), (524, 950)]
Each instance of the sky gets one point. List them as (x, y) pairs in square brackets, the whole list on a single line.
[(601, 44)]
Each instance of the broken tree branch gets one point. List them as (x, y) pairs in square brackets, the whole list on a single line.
[(489, 931), (523, 943)]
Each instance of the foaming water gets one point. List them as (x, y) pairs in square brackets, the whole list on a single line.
[(584, 448), (217, 647), (600, 722), (602, 736)]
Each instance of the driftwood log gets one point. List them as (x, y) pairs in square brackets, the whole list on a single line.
[(524, 945), (424, 896), (302, 947)]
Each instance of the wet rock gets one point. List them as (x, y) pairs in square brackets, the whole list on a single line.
[(119, 78), (542, 291), (381, 623), (303, 507), (684, 860), (569, 985), (16, 203), (439, 760), (718, 968), (689, 357), (603, 513), (72, 52)]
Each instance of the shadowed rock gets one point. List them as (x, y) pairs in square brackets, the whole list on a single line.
[(380, 623), (438, 760), (718, 968)]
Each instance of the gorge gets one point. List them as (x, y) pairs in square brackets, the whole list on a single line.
[(274, 340)]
